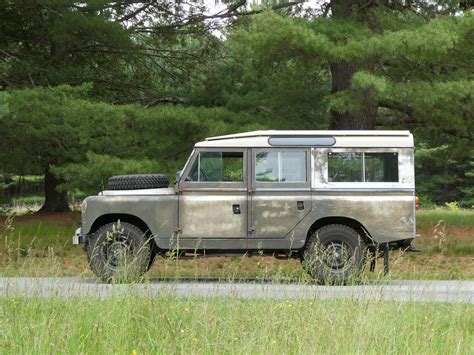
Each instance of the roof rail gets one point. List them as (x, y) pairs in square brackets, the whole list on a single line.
[(309, 133)]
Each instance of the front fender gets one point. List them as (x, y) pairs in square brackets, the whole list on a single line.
[(157, 212)]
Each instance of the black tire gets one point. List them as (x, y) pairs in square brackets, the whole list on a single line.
[(119, 252), (334, 254), (136, 182)]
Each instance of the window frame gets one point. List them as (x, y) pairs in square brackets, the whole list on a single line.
[(214, 184), (363, 166), (262, 185), (321, 169)]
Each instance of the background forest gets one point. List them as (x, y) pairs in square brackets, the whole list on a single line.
[(95, 88)]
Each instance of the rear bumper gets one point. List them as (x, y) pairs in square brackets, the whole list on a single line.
[(78, 237)]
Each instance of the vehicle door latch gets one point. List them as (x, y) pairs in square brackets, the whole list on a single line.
[(236, 209)]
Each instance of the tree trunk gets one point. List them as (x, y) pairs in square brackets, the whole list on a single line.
[(362, 118), (341, 77), (54, 200)]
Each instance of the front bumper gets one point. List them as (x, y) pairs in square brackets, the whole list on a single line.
[(78, 237)]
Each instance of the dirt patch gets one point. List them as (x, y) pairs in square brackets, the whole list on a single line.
[(459, 232)]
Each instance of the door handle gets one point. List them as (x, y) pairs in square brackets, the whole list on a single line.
[(236, 209), (300, 205)]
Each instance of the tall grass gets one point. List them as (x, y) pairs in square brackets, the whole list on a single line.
[(136, 324), (450, 216), (32, 247)]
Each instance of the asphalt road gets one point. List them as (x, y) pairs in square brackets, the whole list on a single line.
[(65, 287)]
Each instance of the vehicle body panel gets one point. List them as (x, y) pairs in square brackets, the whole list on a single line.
[(209, 214), (157, 211)]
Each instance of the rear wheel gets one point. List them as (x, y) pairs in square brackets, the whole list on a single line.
[(119, 252), (334, 254)]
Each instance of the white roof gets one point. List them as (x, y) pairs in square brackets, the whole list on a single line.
[(343, 138)]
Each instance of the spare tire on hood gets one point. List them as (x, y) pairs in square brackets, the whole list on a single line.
[(137, 182)]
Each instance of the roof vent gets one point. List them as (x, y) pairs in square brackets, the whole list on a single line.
[(298, 141)]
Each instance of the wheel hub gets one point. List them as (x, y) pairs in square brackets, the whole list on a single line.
[(117, 251), (337, 254)]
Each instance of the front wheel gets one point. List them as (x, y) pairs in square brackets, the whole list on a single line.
[(334, 254), (119, 252)]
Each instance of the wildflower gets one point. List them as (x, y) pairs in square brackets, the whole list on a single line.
[(134, 352), (186, 310), (182, 331), (426, 317), (274, 341), (194, 339), (290, 305)]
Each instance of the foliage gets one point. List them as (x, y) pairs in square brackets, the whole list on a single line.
[(416, 71), (130, 50), (132, 85), (131, 323), (92, 176)]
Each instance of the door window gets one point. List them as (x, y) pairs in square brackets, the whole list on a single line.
[(286, 166), (218, 167)]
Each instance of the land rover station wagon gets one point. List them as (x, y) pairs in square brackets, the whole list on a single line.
[(330, 198)]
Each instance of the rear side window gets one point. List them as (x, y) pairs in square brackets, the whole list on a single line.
[(362, 167), (285, 166)]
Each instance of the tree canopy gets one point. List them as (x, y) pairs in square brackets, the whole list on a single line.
[(97, 88)]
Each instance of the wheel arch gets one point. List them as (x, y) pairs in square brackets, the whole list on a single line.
[(123, 217), (349, 222)]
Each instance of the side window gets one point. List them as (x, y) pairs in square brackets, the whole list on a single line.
[(274, 166), (381, 167), (345, 167), (362, 167), (218, 167)]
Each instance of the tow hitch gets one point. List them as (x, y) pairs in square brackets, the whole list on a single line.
[(412, 249)]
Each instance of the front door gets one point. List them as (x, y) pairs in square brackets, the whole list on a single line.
[(280, 195), (212, 205)]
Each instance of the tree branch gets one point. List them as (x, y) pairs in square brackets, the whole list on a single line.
[(398, 106), (232, 12)]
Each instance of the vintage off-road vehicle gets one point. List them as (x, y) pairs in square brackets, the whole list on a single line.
[(330, 198)]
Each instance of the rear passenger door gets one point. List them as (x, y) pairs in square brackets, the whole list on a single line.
[(280, 193)]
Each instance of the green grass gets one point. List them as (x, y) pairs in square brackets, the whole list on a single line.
[(460, 218), (43, 248), (42, 234), (136, 324), (27, 200)]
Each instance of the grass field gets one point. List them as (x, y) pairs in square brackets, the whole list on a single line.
[(137, 325), (39, 245), (132, 324)]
